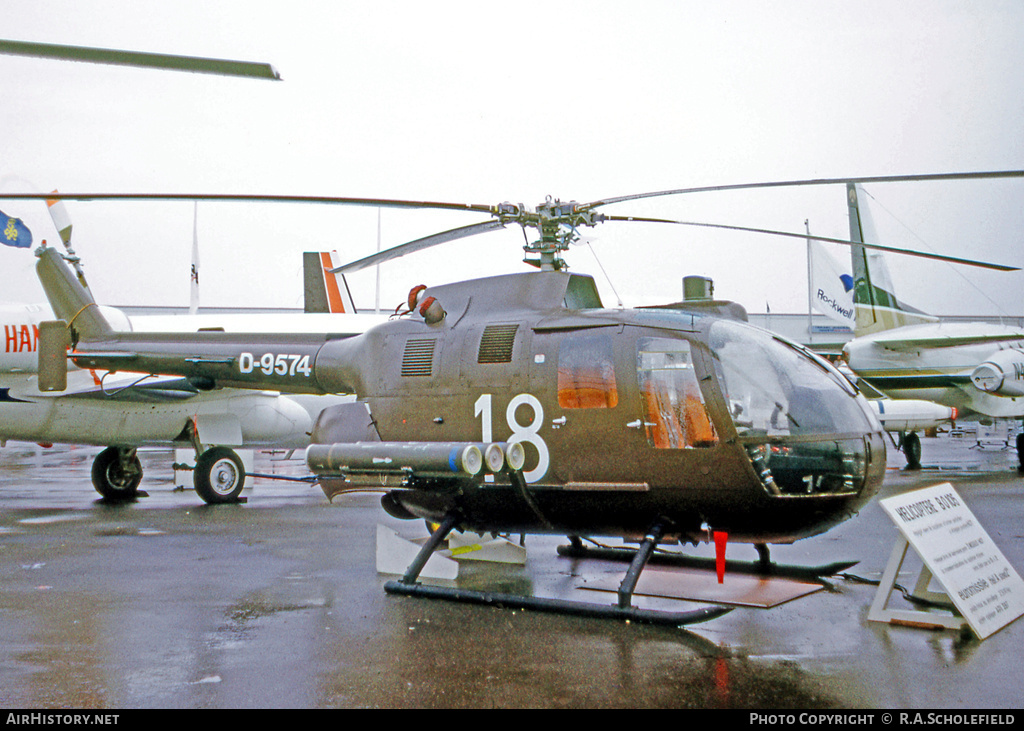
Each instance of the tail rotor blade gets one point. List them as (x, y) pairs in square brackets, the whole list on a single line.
[(62, 222), (61, 219)]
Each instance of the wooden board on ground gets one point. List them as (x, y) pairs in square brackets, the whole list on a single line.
[(702, 586)]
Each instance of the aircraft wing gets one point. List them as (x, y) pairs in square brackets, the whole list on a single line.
[(895, 341), (886, 384), (131, 389), (152, 391)]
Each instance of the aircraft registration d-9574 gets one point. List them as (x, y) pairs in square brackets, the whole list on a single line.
[(519, 404)]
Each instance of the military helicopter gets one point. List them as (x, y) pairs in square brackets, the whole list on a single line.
[(520, 404)]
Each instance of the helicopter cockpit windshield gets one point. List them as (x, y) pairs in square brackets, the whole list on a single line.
[(800, 422)]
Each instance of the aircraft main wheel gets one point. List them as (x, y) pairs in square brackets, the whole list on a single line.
[(219, 475), (1020, 452), (115, 478), (912, 450)]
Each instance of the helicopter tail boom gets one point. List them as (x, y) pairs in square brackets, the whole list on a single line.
[(286, 361)]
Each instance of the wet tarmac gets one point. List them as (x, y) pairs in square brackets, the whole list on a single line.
[(276, 603)]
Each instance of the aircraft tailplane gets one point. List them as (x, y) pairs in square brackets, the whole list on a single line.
[(875, 302)]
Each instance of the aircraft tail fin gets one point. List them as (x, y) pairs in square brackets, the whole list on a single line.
[(324, 291), (875, 302), (71, 302)]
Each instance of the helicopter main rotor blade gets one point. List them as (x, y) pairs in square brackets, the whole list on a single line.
[(167, 62), (252, 198), (574, 214), (503, 210), (427, 241), (813, 181), (805, 236)]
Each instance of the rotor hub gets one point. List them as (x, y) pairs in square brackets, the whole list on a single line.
[(557, 223)]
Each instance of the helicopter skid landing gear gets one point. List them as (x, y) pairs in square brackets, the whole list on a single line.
[(764, 558), (408, 586), (762, 566)]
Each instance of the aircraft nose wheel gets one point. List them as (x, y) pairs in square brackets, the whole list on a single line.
[(219, 475), (116, 473)]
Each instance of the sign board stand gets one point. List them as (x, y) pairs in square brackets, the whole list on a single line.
[(982, 589), (879, 611)]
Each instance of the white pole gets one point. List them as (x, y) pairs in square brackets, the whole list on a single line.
[(377, 295), (194, 303), (810, 299)]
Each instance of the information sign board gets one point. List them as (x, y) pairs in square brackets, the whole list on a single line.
[(960, 554)]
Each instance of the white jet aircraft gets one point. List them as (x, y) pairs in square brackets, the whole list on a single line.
[(976, 368)]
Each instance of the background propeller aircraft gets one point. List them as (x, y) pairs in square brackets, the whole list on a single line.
[(831, 292), (124, 412), (518, 403), (975, 368)]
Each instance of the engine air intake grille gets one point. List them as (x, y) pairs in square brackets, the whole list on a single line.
[(496, 344), (418, 359)]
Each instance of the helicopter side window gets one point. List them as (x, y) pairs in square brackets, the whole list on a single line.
[(586, 373), (675, 416)]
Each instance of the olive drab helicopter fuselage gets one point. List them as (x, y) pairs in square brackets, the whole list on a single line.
[(683, 414)]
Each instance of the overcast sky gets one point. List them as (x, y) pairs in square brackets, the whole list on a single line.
[(486, 102)]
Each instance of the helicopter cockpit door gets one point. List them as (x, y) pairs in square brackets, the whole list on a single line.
[(574, 373), (673, 410)]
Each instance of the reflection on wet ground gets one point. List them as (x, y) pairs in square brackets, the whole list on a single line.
[(167, 602)]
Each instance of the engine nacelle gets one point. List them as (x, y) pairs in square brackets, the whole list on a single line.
[(1002, 374)]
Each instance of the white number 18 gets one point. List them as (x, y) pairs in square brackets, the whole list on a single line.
[(526, 434)]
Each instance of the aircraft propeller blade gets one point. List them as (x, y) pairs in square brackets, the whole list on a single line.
[(168, 62)]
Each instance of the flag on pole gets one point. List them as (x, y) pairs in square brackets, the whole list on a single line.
[(831, 287), (15, 232)]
